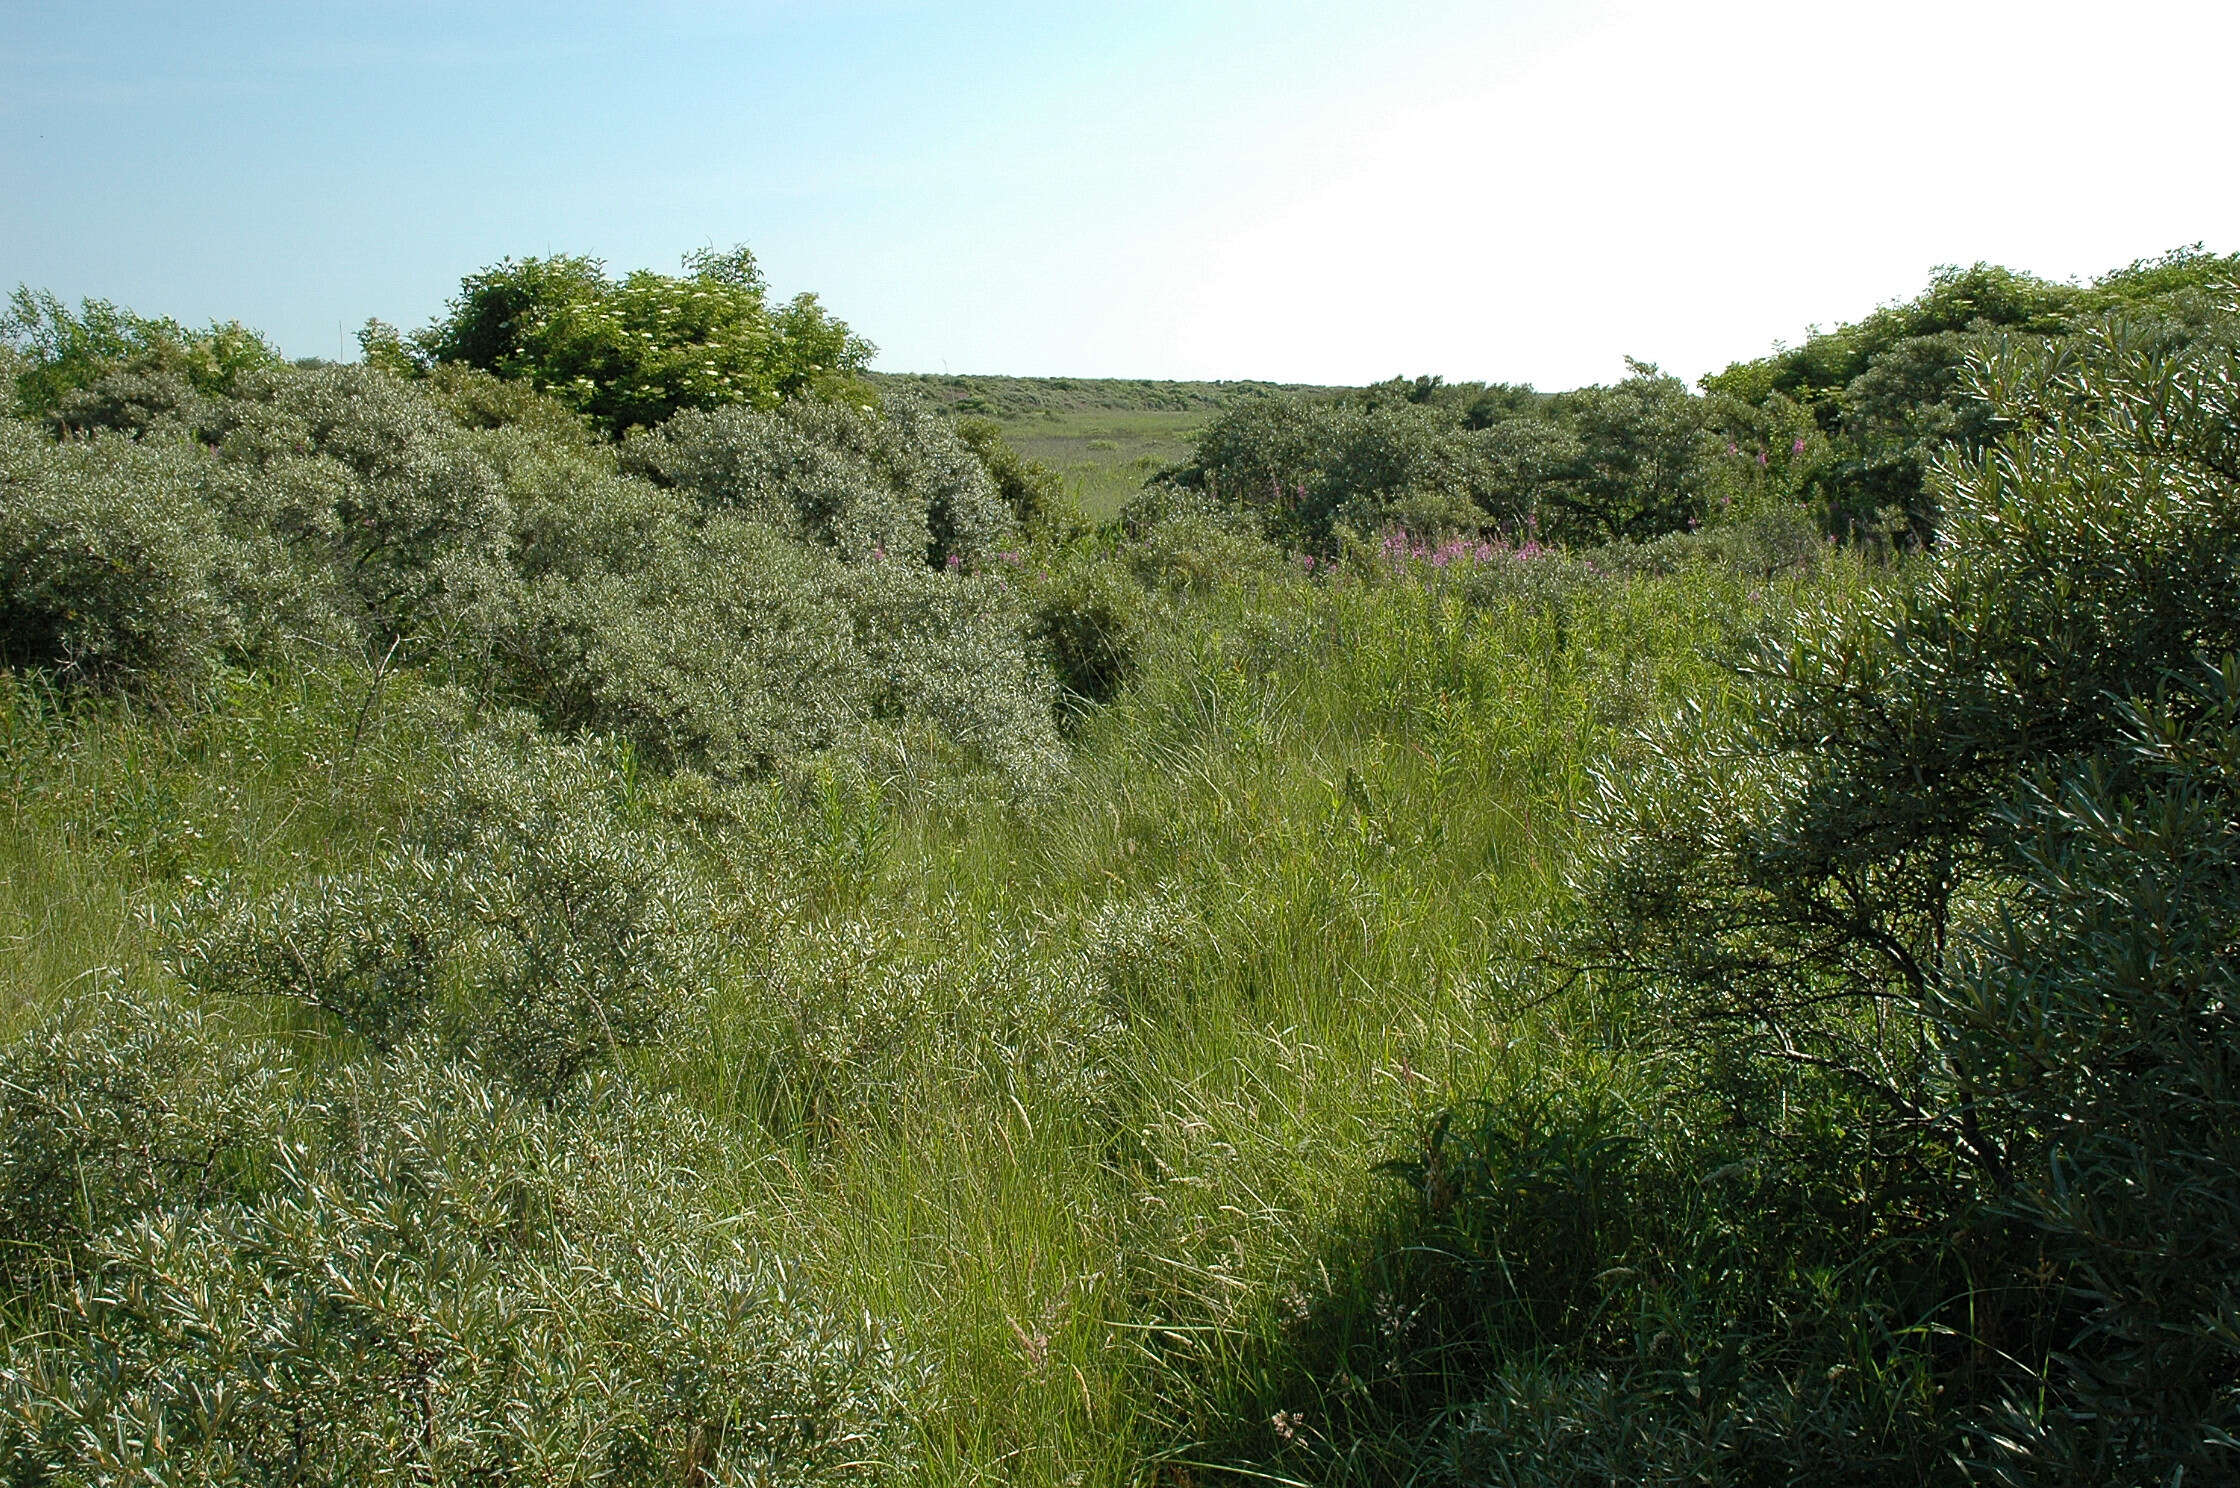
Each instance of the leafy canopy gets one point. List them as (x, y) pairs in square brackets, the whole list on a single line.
[(634, 351), (57, 352)]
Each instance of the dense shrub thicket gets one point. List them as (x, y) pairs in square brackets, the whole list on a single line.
[(1927, 954), (1889, 391), (1624, 463), (390, 1272), (731, 591), (633, 914), (1846, 424)]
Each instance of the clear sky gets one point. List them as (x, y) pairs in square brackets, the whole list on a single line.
[(1316, 190)]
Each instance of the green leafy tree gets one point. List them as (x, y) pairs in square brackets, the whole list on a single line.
[(635, 351), (1954, 897), (1637, 468), (58, 353), (1886, 391)]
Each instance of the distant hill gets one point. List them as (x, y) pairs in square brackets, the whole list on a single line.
[(1024, 397), (1105, 435)]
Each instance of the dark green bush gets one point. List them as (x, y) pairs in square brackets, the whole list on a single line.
[(1640, 467), (1088, 620), (1941, 910), (2100, 1019), (1627, 462), (1887, 392)]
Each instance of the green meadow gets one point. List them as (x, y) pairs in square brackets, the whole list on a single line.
[(1106, 437)]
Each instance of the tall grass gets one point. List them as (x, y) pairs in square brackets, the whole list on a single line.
[(1285, 865), (112, 809), (1082, 1094)]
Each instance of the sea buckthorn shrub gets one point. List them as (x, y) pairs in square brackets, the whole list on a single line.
[(731, 591), (130, 400), (422, 1278), (124, 1103), (951, 652), (766, 468), (111, 561), (364, 950), (529, 923), (366, 476), (864, 483), (1141, 948), (966, 514), (1035, 493), (719, 645)]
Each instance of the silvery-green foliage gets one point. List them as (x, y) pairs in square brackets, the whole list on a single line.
[(574, 511), (438, 1281), (579, 933), (365, 949), (131, 400), (1142, 948), (767, 468), (722, 646), (966, 514), (13, 365), (711, 638), (949, 650), (851, 1022), (862, 483), (109, 556), (525, 920), (367, 472), (1184, 541), (121, 1103)]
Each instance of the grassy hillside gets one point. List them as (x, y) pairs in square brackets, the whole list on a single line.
[(1105, 436)]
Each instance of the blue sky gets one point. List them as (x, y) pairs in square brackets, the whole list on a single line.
[(1313, 191)]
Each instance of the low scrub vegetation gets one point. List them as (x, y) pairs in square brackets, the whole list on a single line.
[(598, 898)]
